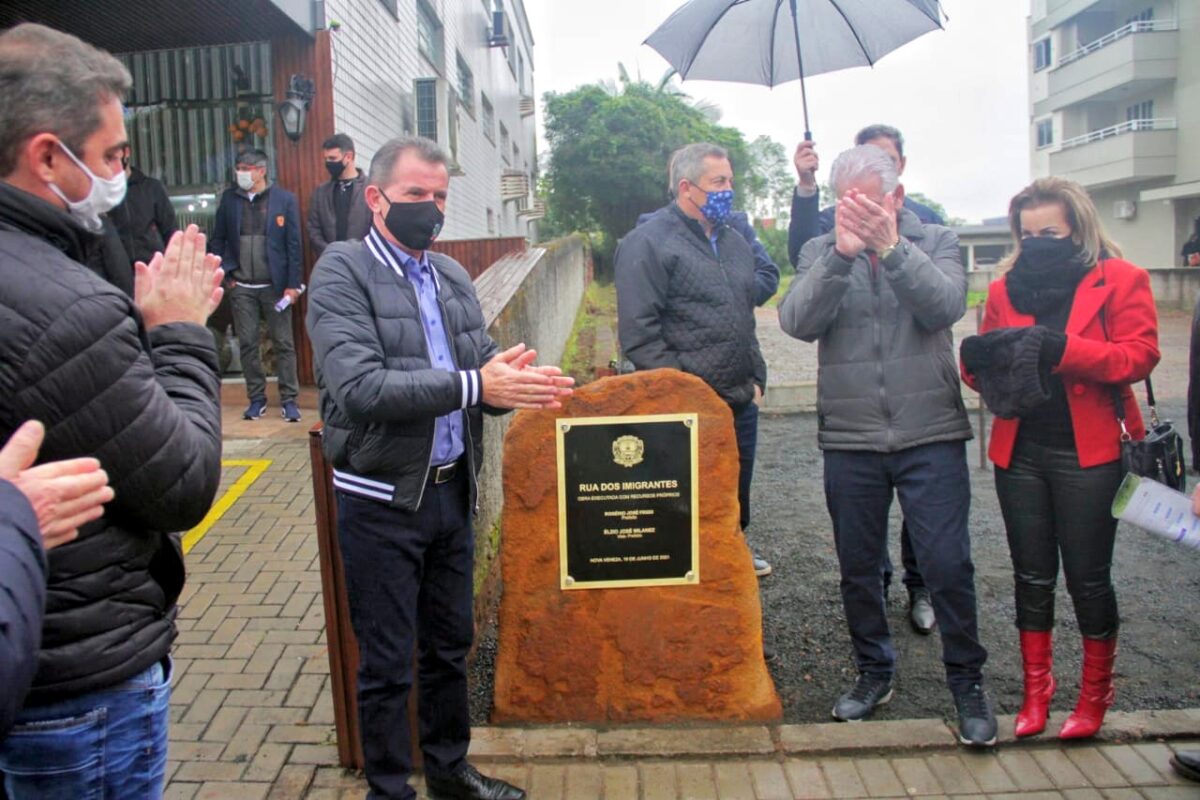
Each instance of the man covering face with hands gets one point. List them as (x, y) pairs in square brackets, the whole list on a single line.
[(879, 295)]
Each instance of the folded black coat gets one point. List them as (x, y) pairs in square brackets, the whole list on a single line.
[(1008, 369)]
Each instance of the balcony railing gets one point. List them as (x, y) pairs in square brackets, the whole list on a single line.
[(1125, 127), (1141, 26)]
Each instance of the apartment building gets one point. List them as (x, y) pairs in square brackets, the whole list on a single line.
[(212, 78), (456, 71), (1115, 105), (210, 81)]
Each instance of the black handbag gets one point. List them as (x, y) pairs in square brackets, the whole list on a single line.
[(1159, 456)]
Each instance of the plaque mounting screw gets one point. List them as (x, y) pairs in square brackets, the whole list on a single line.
[(690, 576), (687, 423), (566, 426), (569, 581)]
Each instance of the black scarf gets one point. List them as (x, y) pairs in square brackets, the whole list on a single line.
[(1038, 287)]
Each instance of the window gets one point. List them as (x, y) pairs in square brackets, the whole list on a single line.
[(466, 85), (429, 35), (1045, 133), (491, 221), (393, 7), (1145, 16), (489, 118), (1041, 54), (1139, 112), (504, 145), (521, 72), (427, 119), (516, 154)]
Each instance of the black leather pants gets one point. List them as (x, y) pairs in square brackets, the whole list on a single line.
[(1053, 509)]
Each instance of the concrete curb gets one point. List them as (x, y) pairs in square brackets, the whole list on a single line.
[(890, 737)]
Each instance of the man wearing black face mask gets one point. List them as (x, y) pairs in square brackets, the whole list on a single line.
[(685, 278), (146, 218), (406, 369), (338, 210)]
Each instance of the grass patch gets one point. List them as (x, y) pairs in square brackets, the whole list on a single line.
[(599, 307), (976, 299)]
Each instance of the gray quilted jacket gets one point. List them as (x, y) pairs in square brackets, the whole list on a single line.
[(888, 377), (379, 394), (679, 305)]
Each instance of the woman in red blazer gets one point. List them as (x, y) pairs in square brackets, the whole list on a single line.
[(1058, 465)]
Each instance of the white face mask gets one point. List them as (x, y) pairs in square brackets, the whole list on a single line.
[(245, 180), (105, 195)]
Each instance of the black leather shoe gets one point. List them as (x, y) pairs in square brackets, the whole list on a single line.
[(857, 704), (466, 783), (976, 722), (1187, 764), (920, 612)]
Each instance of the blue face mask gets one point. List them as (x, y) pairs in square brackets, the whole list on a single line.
[(717, 206)]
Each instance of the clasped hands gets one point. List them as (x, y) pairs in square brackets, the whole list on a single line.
[(512, 380), (862, 224), (180, 284)]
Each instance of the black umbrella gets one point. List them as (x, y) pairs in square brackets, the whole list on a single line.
[(759, 41)]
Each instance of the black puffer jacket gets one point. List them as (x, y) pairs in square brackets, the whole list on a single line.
[(379, 395), (75, 355), (681, 306)]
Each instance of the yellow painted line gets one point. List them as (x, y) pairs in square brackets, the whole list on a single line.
[(254, 469)]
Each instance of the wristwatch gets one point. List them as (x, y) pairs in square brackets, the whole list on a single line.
[(901, 247)]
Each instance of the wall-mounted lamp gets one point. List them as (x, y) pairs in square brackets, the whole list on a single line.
[(294, 110)]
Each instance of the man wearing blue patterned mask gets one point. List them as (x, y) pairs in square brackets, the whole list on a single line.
[(685, 297)]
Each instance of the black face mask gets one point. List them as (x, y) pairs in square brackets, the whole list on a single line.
[(1043, 252), (336, 168), (415, 225)]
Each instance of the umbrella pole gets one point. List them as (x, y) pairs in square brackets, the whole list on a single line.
[(800, 64)]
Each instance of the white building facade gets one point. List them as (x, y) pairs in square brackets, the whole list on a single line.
[(459, 72), (1115, 106)]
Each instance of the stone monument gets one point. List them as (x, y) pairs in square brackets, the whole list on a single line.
[(662, 622)]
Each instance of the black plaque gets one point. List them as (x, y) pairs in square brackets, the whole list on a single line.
[(627, 501)]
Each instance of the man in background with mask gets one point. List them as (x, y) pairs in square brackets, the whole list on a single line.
[(685, 278), (146, 218), (128, 381), (256, 233), (406, 369), (880, 295), (337, 210)]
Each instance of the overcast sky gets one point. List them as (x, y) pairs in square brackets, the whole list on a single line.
[(960, 96)]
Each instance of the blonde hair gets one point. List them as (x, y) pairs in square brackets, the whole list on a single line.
[(1081, 215)]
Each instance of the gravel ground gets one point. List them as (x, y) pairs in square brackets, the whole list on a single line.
[(1158, 589)]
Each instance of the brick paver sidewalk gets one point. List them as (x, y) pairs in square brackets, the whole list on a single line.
[(252, 717)]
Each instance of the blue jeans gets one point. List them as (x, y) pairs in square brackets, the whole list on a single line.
[(745, 428), (934, 488), (102, 745)]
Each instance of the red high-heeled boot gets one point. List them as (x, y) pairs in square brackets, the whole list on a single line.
[(1037, 658), (1095, 691)]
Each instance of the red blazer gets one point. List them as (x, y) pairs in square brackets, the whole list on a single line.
[(1093, 361)]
